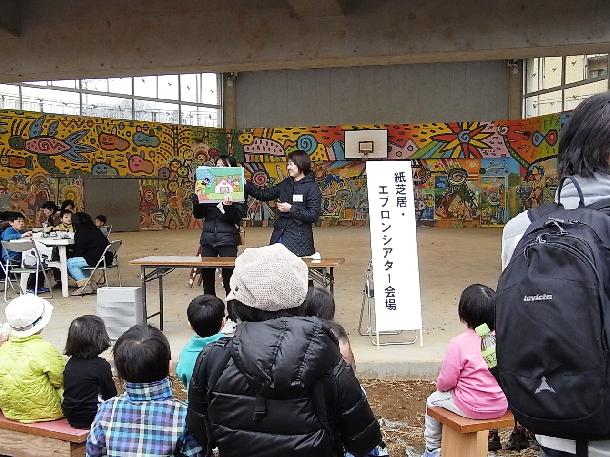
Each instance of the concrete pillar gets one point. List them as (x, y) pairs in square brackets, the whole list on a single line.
[(229, 101), (515, 89)]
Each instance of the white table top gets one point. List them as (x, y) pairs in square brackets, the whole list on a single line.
[(47, 241)]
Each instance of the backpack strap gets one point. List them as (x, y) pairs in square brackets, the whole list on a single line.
[(581, 198), (582, 448), (541, 211), (600, 205)]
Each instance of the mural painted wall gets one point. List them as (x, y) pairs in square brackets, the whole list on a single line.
[(465, 174)]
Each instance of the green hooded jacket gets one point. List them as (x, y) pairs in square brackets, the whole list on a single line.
[(31, 379)]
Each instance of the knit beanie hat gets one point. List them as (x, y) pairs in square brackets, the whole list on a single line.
[(270, 278)]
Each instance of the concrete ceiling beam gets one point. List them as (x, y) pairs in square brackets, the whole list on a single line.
[(318, 8), (10, 18)]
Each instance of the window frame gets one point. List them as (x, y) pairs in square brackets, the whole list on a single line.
[(563, 86)]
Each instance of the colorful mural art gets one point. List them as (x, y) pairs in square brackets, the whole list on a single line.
[(465, 173)]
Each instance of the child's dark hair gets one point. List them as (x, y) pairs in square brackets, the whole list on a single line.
[(14, 215), (338, 331), (205, 314), (477, 306), (49, 205), (319, 303), (67, 203), (101, 218), (87, 337), (64, 211), (142, 354)]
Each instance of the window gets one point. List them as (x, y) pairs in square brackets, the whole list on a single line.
[(49, 101), (192, 99), (156, 111), (556, 84), (102, 106)]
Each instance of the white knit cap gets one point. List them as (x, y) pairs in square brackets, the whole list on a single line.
[(28, 314), (270, 278)]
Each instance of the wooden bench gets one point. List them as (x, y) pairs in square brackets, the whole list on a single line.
[(463, 437), (54, 438)]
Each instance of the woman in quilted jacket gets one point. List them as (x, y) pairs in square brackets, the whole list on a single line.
[(299, 205), (31, 369), (279, 387)]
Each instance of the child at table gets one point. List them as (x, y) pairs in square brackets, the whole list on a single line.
[(86, 376), (100, 220), (464, 385), (31, 369), (66, 221), (14, 231)]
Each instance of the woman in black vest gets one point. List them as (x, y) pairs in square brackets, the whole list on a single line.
[(220, 235)]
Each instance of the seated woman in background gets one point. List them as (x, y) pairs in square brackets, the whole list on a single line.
[(51, 213), (89, 245), (68, 204)]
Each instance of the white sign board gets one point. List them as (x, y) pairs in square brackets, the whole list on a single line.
[(394, 246)]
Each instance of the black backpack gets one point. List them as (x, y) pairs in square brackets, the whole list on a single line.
[(553, 321)]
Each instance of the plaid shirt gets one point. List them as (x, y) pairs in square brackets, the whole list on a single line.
[(145, 421)]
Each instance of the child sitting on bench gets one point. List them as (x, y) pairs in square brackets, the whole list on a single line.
[(146, 419), (464, 385), (31, 369), (87, 376)]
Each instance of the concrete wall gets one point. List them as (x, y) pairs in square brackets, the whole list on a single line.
[(388, 94), (88, 38)]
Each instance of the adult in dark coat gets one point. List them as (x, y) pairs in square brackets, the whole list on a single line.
[(299, 205), (89, 245), (279, 387), (220, 235)]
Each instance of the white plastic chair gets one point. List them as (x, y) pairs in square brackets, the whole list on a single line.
[(11, 268), (106, 229), (113, 247)]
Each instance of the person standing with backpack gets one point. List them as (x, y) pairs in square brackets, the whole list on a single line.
[(552, 302), (279, 387)]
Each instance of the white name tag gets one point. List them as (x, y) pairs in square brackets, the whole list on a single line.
[(297, 198)]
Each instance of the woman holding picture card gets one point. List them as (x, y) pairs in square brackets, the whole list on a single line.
[(220, 235), (299, 204)]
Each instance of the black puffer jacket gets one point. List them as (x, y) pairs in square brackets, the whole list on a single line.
[(220, 229), (295, 227), (285, 391), (89, 243)]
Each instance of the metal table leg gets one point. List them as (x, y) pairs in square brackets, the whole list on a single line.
[(161, 302), (143, 279), (331, 274)]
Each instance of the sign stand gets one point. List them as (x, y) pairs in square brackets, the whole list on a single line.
[(368, 299)]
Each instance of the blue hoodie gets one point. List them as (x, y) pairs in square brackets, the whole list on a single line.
[(188, 356)]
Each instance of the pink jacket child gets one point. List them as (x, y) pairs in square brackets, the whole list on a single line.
[(464, 385)]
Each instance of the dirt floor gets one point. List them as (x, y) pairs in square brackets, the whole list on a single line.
[(399, 406)]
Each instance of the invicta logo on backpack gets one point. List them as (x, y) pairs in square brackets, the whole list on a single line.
[(538, 297), (553, 322)]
